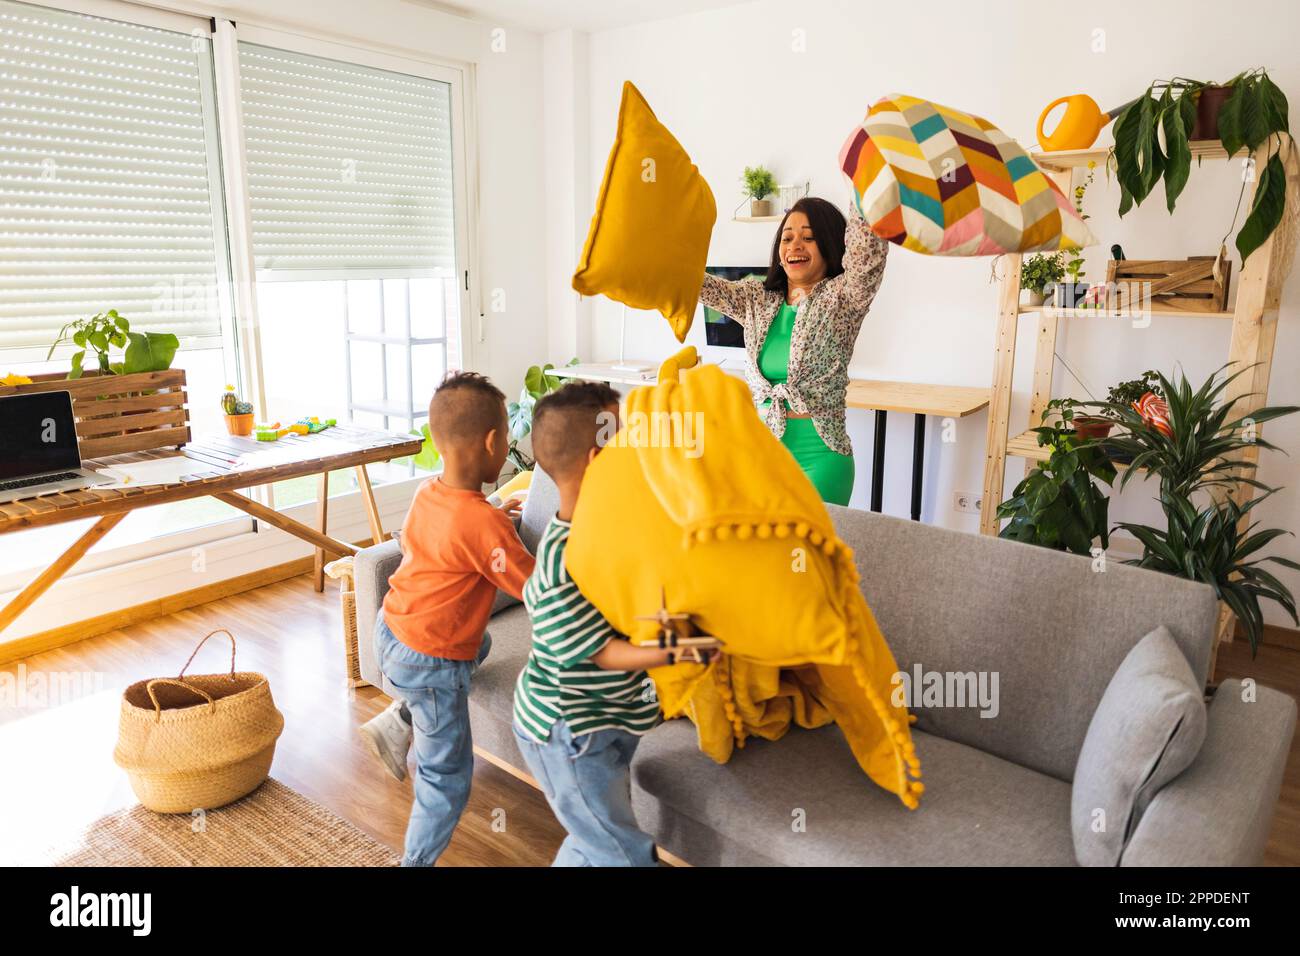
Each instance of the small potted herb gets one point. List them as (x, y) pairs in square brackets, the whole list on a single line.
[(759, 184), (1038, 274), (239, 414), (1070, 294)]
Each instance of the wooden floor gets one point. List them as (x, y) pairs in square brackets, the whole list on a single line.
[(60, 756)]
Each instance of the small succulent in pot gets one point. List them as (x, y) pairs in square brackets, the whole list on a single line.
[(759, 184)]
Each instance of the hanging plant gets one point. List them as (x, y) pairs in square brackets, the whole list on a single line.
[(1152, 144)]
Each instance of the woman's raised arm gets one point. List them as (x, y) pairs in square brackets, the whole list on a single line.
[(864, 267), (733, 299)]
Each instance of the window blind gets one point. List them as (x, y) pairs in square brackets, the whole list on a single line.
[(108, 192), (349, 167)]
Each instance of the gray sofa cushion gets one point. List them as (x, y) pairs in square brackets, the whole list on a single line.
[(539, 508), (977, 810), (1147, 730), (957, 602), (1218, 812), (492, 689)]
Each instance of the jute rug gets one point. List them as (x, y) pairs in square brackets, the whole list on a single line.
[(272, 826)]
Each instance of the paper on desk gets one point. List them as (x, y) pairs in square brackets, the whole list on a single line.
[(155, 471)]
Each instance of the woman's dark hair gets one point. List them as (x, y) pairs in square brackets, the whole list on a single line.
[(828, 225)]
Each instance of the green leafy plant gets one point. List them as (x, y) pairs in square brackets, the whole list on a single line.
[(143, 351), (1041, 270), (538, 381), (428, 457), (1126, 393), (1207, 446), (758, 182), (1059, 505), (1211, 544), (1205, 537), (1074, 264), (1151, 145)]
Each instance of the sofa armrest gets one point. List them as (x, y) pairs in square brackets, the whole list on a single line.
[(371, 569), (1218, 811)]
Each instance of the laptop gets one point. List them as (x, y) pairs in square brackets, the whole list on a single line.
[(38, 447)]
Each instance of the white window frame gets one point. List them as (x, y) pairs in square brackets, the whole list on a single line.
[(229, 36), (225, 35), (189, 538)]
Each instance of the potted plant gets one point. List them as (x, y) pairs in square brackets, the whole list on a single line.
[(1039, 273), (142, 351), (538, 381), (759, 184), (239, 414), (1153, 133), (1199, 458), (1059, 505), (1070, 294)]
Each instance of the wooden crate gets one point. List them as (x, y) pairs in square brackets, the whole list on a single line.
[(1176, 284), (116, 414)]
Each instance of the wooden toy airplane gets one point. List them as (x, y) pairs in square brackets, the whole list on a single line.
[(676, 631)]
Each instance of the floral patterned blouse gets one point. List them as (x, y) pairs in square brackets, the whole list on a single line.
[(826, 328)]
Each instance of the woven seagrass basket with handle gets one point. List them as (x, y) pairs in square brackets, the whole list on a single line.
[(197, 742)]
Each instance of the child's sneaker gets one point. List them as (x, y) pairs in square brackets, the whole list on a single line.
[(389, 737)]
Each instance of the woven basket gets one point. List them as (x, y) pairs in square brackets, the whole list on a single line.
[(197, 742)]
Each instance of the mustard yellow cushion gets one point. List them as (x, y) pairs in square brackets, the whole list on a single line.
[(649, 237), (696, 504)]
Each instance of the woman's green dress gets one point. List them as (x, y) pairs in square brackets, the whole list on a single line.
[(830, 472)]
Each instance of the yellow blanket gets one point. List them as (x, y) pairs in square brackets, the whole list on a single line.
[(695, 504)]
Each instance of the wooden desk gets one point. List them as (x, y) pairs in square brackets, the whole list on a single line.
[(222, 464), (915, 398)]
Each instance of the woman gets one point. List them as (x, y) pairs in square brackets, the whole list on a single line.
[(800, 325)]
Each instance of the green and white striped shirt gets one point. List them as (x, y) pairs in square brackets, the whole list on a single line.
[(560, 682)]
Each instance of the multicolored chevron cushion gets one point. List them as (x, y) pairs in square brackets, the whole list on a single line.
[(936, 180)]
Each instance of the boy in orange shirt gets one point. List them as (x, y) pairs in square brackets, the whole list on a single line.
[(456, 551)]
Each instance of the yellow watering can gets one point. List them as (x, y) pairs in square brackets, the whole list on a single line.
[(1080, 126)]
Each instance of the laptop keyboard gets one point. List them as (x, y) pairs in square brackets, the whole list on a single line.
[(38, 480)]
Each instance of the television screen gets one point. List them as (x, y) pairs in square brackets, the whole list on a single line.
[(718, 328)]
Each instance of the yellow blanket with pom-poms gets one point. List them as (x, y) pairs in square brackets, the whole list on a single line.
[(693, 503)]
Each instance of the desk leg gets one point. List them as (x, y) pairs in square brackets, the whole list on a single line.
[(24, 599), (918, 465), (277, 520), (322, 520), (878, 462), (372, 509)]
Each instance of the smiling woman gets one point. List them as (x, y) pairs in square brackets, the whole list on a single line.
[(800, 324)]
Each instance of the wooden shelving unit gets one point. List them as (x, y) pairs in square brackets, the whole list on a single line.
[(1254, 327)]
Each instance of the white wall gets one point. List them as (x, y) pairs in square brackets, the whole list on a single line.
[(734, 89)]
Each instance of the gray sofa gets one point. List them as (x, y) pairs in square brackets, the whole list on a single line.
[(997, 789)]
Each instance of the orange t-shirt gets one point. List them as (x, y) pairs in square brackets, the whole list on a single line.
[(456, 551)]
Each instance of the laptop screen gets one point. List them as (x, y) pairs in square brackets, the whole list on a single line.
[(37, 434)]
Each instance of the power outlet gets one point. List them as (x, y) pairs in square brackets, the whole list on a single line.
[(967, 502)]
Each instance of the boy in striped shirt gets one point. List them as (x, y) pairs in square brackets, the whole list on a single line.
[(583, 699)]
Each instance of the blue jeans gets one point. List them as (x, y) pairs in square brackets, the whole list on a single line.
[(437, 693), (588, 783)]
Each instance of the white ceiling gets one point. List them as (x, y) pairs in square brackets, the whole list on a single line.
[(588, 15)]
